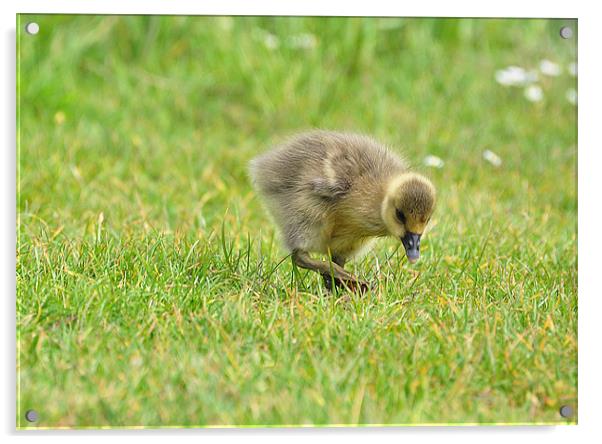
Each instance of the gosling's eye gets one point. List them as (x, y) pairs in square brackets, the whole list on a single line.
[(400, 216)]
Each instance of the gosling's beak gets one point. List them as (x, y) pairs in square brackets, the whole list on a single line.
[(411, 242)]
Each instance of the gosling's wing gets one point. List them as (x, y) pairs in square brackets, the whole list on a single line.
[(309, 165), (329, 189), (333, 175)]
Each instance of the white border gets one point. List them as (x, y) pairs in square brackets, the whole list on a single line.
[(441, 8), (590, 222)]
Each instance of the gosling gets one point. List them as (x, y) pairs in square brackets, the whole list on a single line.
[(334, 193)]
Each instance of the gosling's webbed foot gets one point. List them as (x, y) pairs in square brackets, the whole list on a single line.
[(357, 286), (354, 285)]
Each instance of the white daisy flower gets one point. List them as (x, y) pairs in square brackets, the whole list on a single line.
[(549, 68), (572, 69), (304, 41), (515, 76), (571, 96), (269, 40), (534, 93), (492, 158), (433, 161)]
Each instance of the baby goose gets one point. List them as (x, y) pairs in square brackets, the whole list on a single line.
[(334, 193)]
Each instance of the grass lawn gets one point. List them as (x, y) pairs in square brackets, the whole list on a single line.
[(153, 289)]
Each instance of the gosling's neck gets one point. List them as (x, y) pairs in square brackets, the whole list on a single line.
[(365, 207)]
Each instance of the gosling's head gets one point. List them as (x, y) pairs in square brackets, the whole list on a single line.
[(406, 210)]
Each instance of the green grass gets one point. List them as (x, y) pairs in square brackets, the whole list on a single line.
[(152, 288)]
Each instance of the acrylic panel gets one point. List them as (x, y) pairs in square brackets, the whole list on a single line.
[(165, 279)]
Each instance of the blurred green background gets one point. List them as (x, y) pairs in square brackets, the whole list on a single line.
[(150, 287)]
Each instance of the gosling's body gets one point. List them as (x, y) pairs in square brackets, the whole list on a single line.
[(326, 192)]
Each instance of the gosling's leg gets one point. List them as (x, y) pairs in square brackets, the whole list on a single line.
[(354, 285), (303, 259)]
